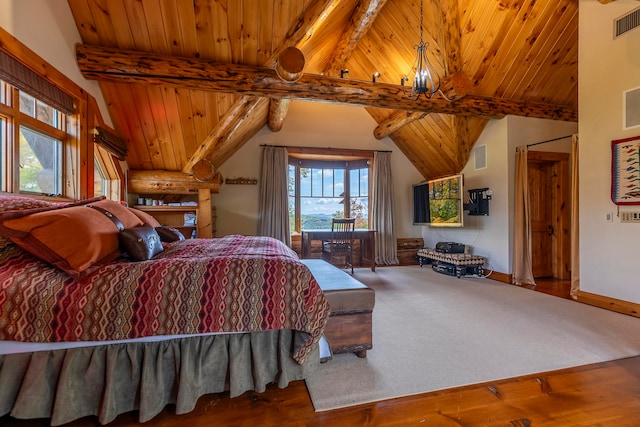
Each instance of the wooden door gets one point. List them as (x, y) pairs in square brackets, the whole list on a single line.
[(549, 208), (542, 230)]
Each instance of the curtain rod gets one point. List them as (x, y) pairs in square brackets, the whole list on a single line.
[(326, 148), (549, 140)]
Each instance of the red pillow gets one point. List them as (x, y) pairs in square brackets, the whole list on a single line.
[(146, 217), (74, 238), (11, 202)]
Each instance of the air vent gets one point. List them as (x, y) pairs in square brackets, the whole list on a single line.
[(480, 157), (626, 23), (630, 216)]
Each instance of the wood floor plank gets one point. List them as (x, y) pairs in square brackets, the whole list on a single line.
[(602, 394)]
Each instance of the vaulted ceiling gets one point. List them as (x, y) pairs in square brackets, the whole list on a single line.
[(192, 80)]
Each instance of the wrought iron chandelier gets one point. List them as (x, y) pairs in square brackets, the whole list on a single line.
[(426, 80)]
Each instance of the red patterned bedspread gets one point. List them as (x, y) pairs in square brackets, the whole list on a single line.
[(229, 284)]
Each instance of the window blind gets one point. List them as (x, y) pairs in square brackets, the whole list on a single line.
[(110, 142), (23, 78)]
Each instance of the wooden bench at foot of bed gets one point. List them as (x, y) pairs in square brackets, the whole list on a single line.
[(349, 326)]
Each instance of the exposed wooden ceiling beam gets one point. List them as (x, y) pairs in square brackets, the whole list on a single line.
[(449, 32), (302, 30), (396, 121), (360, 22), (221, 139), (115, 65), (455, 86)]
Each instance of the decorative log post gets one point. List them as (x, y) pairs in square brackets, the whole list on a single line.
[(290, 64), (204, 225), (455, 86), (278, 109), (169, 182), (289, 68)]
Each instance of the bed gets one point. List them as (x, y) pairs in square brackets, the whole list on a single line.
[(112, 335)]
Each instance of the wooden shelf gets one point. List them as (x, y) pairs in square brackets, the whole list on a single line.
[(165, 208), (173, 216)]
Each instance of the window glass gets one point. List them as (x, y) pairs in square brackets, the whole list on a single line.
[(99, 180), (359, 192), (305, 181), (47, 114), (41, 111), (4, 97), (316, 183), (40, 162), (326, 193), (3, 150), (27, 104), (292, 197), (326, 200)]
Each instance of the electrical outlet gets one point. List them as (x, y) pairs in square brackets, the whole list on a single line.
[(630, 216), (609, 217)]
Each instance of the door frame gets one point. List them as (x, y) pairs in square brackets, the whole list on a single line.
[(561, 209)]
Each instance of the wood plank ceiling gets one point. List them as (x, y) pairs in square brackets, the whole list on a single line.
[(510, 55)]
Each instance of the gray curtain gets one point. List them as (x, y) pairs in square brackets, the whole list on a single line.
[(575, 218), (274, 195), (382, 210), (522, 265)]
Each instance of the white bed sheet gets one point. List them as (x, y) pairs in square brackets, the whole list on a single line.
[(15, 347)]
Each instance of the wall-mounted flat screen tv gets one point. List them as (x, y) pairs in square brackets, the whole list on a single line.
[(445, 202), (421, 204)]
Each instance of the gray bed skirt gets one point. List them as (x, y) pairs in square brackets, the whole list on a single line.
[(109, 380)]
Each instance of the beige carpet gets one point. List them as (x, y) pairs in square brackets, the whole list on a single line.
[(432, 332)]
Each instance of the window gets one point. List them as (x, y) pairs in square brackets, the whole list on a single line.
[(45, 124), (99, 181), (106, 175), (36, 163), (320, 190), (40, 163), (3, 151)]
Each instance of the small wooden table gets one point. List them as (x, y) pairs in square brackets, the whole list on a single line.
[(365, 236)]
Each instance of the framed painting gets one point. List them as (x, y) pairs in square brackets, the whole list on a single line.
[(625, 171)]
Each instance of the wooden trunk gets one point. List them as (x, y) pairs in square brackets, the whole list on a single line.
[(350, 333), (408, 250)]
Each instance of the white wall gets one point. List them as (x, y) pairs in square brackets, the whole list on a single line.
[(607, 67), (311, 124), (492, 236), (47, 28), (335, 126)]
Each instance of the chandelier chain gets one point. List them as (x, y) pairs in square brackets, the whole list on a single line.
[(421, 19)]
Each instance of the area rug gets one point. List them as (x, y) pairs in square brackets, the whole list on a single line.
[(432, 332)]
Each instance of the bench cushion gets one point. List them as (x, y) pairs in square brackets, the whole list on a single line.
[(344, 293)]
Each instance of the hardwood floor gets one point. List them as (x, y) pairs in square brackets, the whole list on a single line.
[(603, 394), (551, 286)]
